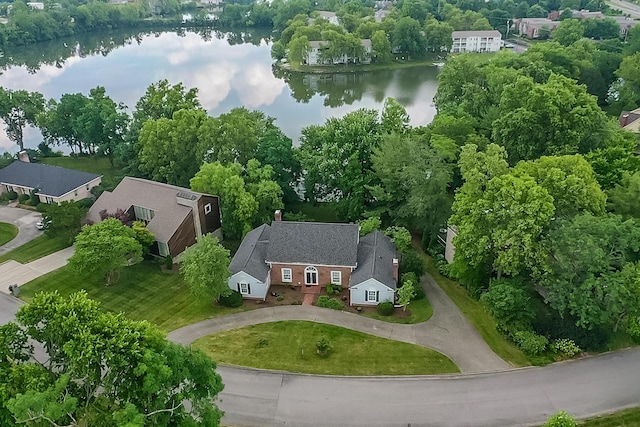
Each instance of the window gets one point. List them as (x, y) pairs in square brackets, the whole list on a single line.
[(49, 199), (143, 214), (163, 249), (244, 288), (336, 278), (207, 209), (286, 275), (371, 296), (311, 276)]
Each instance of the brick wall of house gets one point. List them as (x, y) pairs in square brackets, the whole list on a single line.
[(297, 274)]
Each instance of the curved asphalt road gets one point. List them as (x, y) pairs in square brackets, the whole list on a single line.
[(519, 397)]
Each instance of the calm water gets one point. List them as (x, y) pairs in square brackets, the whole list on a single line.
[(230, 70)]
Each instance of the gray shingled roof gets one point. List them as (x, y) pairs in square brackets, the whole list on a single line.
[(313, 243), (375, 260), (49, 180), (251, 254)]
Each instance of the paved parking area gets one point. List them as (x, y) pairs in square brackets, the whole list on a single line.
[(14, 273), (25, 220)]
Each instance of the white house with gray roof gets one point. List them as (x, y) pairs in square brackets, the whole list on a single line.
[(52, 184), (313, 255)]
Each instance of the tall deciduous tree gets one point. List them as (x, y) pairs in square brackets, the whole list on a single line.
[(18, 109), (64, 220), (624, 199), (406, 293), (276, 150), (101, 369), (337, 161), (169, 147), (104, 249), (381, 46), (205, 267), (569, 31), (57, 123), (594, 272), (408, 37), (438, 36)]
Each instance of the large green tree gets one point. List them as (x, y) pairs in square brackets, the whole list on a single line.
[(569, 31), (408, 36), (64, 220), (57, 123), (438, 36), (18, 109), (104, 249), (336, 158), (624, 199), (205, 267), (100, 369), (594, 272)]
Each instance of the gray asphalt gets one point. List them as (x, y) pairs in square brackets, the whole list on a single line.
[(519, 397), (25, 220), (625, 7), (448, 331), (8, 307)]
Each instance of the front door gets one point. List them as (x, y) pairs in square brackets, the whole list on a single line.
[(311, 276)]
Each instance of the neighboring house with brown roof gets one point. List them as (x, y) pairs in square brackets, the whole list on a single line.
[(52, 184), (176, 216), (313, 254), (630, 120), (530, 27)]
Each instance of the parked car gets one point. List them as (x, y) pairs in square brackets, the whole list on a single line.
[(42, 224)]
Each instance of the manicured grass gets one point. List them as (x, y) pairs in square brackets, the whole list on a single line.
[(627, 418), (143, 292), (36, 248), (7, 232), (290, 346), (479, 318), (99, 165), (421, 311)]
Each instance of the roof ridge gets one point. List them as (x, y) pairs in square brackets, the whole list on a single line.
[(161, 184), (249, 257)]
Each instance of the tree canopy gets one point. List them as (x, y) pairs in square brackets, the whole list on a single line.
[(205, 267)]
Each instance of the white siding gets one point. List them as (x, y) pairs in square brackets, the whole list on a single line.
[(358, 291), (258, 289)]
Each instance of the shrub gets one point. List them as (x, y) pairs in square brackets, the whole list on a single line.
[(566, 347), (418, 289), (86, 203), (23, 198), (42, 207), (509, 304), (12, 195), (323, 347), (33, 198), (329, 289), (561, 419), (385, 308), (233, 300), (333, 289), (168, 262), (530, 342), (555, 326), (411, 262), (326, 302), (280, 298)]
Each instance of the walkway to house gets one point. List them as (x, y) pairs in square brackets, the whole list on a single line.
[(310, 294), (14, 273), (448, 331)]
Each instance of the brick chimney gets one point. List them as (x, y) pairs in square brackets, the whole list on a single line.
[(624, 118), (278, 215), (24, 157), (395, 269)]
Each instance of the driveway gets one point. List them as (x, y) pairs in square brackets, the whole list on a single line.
[(25, 220), (448, 331), (8, 308)]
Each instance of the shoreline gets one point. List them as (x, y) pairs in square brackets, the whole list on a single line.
[(336, 69)]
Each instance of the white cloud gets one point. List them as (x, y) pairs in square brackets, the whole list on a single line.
[(257, 86)]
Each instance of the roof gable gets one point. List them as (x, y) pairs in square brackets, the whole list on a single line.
[(250, 256), (313, 243), (49, 180), (376, 253)]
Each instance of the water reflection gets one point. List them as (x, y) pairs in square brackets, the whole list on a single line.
[(229, 69)]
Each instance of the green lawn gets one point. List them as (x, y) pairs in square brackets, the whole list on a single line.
[(628, 418), (99, 165), (421, 311), (291, 347), (479, 318), (7, 232), (143, 292), (36, 248)]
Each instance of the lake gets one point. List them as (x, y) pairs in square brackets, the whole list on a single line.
[(229, 69)]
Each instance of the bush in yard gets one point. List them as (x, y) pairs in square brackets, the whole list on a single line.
[(42, 207), (233, 300), (280, 298), (323, 347), (12, 195), (329, 289), (33, 198), (168, 262), (326, 302), (561, 419), (509, 304), (529, 342), (418, 289), (385, 308), (23, 198), (566, 347), (411, 262)]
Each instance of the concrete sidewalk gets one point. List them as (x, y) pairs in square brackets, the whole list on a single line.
[(448, 331), (15, 273)]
